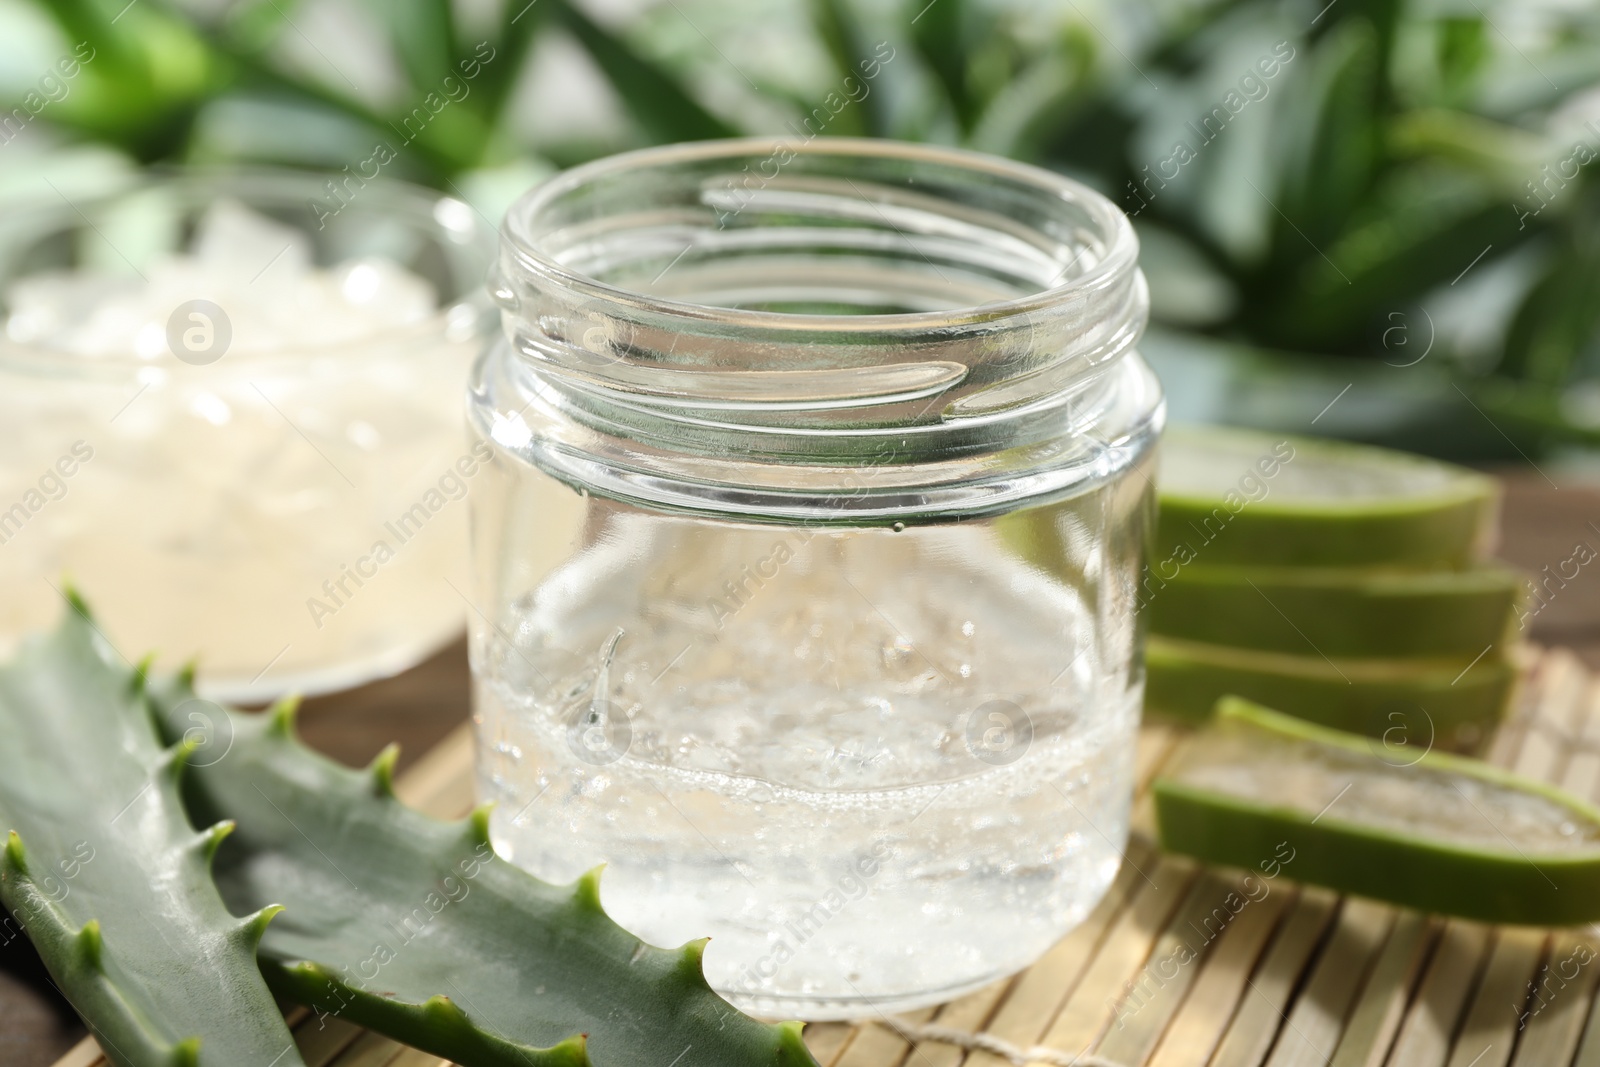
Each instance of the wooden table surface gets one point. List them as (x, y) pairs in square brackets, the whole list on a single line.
[(1542, 525)]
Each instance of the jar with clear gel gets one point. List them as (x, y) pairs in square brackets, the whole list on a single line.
[(806, 561), (231, 404)]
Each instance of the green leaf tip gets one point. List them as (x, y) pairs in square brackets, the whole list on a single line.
[(586, 890), (478, 824), (91, 945), (792, 1043), (75, 599), (141, 674), (382, 769), (186, 1053), (573, 1052), (177, 756), (254, 927), (16, 855), (186, 674), (692, 960), (283, 714), (442, 1011), (211, 839)]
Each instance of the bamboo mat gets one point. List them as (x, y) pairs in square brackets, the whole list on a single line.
[(1298, 977)]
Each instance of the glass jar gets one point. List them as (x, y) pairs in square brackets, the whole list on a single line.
[(807, 557), (232, 405)]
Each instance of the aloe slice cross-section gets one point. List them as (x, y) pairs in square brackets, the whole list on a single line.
[(1450, 702), (1340, 611), (1241, 497), (1424, 830)]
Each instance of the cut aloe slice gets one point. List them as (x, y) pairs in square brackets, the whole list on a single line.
[(1339, 611), (1452, 701), (1239, 497), (1429, 831)]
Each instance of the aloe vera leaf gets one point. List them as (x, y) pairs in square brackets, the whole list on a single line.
[(521, 22), (1551, 329), (104, 874), (1332, 136), (945, 34), (840, 32), (1426, 830), (423, 34), (1450, 702), (655, 98), (1044, 96), (413, 927), (1345, 611), (1418, 230)]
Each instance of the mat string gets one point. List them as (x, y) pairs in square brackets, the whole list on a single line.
[(985, 1042)]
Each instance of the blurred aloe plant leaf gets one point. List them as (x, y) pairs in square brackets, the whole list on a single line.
[(1343, 166), (658, 102)]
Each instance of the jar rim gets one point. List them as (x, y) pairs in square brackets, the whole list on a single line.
[(852, 301), (1120, 255)]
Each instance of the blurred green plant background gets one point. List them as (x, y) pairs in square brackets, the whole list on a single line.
[(1367, 218)]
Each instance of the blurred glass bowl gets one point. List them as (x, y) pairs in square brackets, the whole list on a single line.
[(233, 410)]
